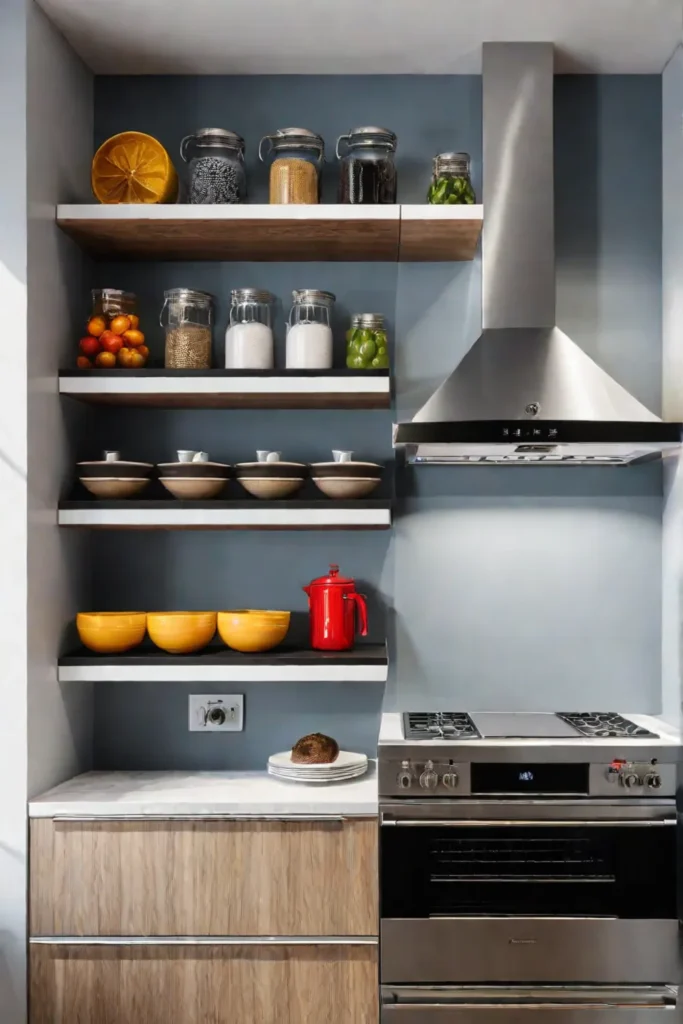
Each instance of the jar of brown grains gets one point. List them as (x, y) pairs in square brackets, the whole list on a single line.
[(187, 317), (296, 156)]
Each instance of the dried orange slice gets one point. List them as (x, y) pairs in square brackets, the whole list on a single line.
[(133, 168)]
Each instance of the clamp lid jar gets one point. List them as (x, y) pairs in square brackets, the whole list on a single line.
[(187, 316), (216, 161), (297, 155), (309, 332), (367, 172), (249, 337), (451, 182)]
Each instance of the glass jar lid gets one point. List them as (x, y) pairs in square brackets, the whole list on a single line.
[(113, 294), (312, 297), (216, 138), (369, 137), (373, 321), (240, 295), (188, 295), (452, 163), (293, 138)]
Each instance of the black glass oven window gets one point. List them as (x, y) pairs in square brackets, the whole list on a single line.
[(537, 870), (529, 778)]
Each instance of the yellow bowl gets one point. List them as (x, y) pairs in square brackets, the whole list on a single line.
[(181, 632), (111, 632), (250, 630)]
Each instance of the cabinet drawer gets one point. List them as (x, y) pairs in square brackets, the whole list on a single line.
[(204, 877), (196, 984)]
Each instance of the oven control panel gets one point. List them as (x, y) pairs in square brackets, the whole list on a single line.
[(445, 778)]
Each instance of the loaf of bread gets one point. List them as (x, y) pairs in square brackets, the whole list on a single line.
[(315, 749)]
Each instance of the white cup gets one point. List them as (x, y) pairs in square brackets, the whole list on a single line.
[(268, 456)]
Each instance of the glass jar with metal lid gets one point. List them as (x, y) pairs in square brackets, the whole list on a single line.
[(249, 337), (216, 161), (367, 172), (451, 183), (187, 316), (297, 156), (366, 342), (309, 331)]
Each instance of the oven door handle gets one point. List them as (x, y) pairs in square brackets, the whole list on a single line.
[(524, 822)]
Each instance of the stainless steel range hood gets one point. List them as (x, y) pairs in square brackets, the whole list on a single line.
[(525, 393)]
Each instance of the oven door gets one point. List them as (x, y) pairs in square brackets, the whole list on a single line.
[(528, 893), (541, 1005)]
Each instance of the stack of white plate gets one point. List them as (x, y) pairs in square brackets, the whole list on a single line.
[(347, 766)]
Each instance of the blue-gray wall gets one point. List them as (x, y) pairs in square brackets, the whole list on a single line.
[(498, 588)]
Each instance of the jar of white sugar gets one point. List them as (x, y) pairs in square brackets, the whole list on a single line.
[(249, 337), (309, 333)]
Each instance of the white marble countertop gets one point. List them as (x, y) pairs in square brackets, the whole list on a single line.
[(234, 794)]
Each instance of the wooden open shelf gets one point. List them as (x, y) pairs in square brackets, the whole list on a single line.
[(366, 663), (363, 514), (275, 233), (230, 389)]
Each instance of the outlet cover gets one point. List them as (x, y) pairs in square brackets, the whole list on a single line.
[(216, 712)]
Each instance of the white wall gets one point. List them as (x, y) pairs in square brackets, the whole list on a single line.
[(13, 589), (672, 367), (60, 111)]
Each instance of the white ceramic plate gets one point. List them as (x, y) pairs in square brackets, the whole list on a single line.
[(317, 781), (346, 759), (312, 775)]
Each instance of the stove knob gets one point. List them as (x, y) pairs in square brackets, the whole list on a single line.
[(429, 779), (450, 780), (630, 780), (405, 776), (653, 780)]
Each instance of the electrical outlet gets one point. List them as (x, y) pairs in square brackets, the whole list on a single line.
[(216, 712)]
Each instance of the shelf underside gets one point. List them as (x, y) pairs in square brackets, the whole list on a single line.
[(365, 514), (230, 389), (366, 663), (412, 233)]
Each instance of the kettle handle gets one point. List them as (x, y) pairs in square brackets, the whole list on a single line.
[(362, 607)]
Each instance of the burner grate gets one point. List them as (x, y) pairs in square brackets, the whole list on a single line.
[(437, 725), (605, 724)]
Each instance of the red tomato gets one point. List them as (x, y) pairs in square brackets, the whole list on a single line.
[(89, 346), (111, 342)]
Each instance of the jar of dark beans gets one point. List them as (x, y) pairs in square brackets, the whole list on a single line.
[(367, 171), (216, 160)]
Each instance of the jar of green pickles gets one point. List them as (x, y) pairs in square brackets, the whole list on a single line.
[(451, 183), (366, 343)]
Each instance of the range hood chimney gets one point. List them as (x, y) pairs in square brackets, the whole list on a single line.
[(525, 393)]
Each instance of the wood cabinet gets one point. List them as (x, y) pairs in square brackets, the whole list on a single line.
[(198, 984), (204, 877)]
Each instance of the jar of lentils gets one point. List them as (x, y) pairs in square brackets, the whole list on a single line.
[(216, 162), (296, 156), (187, 317)]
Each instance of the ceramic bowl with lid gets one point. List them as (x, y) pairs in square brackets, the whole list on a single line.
[(344, 478), (270, 477), (113, 478)]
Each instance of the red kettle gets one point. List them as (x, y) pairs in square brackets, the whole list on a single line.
[(332, 601)]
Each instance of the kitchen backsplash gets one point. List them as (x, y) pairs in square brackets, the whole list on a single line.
[(498, 588)]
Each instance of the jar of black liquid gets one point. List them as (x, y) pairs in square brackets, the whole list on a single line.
[(367, 171), (216, 161)]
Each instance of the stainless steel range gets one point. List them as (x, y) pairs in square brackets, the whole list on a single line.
[(528, 862)]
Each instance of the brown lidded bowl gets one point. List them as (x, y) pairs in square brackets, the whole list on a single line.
[(346, 479)]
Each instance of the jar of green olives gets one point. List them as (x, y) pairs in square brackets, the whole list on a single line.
[(451, 183), (366, 343)]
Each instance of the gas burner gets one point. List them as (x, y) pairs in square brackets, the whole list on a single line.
[(604, 724), (437, 725)]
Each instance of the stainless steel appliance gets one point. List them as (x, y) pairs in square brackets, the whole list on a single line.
[(525, 393), (527, 864)]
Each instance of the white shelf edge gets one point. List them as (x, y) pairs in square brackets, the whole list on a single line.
[(124, 385), (225, 517), (255, 211), (222, 673), (415, 211)]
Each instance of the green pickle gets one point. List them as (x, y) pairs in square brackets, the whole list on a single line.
[(451, 190), (367, 349)]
